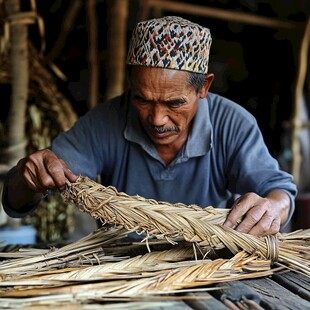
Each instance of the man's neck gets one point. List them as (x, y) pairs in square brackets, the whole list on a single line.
[(168, 152)]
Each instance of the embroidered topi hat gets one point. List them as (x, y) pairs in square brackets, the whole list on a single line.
[(170, 42)]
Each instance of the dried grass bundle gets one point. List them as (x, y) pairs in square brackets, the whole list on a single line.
[(159, 272), (139, 276), (160, 219), (46, 277), (84, 252), (192, 223)]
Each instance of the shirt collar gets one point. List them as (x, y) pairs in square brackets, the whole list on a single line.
[(199, 141)]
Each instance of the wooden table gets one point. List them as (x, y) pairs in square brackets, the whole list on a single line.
[(283, 291)]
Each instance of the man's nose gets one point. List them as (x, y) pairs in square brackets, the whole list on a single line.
[(158, 115)]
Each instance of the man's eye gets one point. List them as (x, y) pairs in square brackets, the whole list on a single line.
[(175, 104)]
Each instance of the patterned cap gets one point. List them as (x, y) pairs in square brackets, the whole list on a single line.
[(170, 42)]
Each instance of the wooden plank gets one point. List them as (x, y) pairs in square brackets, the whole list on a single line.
[(276, 295), (235, 291), (200, 301), (296, 283)]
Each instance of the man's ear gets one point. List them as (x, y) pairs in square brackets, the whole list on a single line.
[(206, 86)]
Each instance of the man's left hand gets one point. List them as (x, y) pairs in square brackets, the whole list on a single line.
[(259, 215)]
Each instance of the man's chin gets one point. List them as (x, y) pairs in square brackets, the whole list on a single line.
[(162, 138)]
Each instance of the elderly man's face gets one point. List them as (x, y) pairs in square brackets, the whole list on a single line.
[(165, 102)]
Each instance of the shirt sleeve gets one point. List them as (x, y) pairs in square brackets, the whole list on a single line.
[(27, 209), (251, 168), (76, 149), (89, 147), (85, 148)]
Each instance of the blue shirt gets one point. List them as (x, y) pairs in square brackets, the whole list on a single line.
[(225, 154)]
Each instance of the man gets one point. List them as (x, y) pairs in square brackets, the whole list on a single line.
[(167, 138)]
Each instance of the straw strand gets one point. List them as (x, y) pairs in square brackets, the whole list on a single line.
[(173, 222)]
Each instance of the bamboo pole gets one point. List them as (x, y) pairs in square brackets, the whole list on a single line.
[(94, 65), (227, 15), (18, 35), (298, 95), (16, 41), (116, 48), (20, 79)]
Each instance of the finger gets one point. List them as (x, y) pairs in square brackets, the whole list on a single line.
[(68, 173), (35, 176), (34, 183), (237, 212), (55, 171), (275, 226), (252, 217), (43, 171), (268, 225), (45, 180)]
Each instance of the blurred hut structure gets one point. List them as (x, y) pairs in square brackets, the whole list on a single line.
[(38, 110)]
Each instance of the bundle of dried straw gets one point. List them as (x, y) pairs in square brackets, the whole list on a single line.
[(173, 222), (104, 266)]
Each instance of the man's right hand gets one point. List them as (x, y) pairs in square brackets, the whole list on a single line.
[(34, 175), (43, 170)]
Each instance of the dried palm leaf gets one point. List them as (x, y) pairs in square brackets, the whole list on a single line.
[(42, 303), (136, 267), (86, 251), (43, 279), (152, 281), (192, 223), (148, 275)]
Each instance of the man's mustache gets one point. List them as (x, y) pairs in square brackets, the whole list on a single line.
[(161, 129)]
